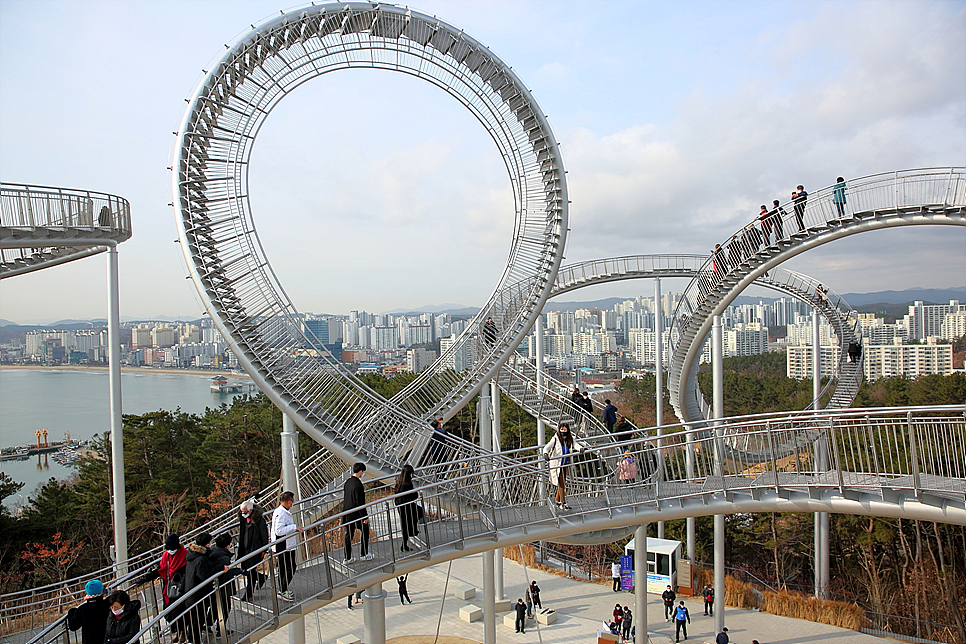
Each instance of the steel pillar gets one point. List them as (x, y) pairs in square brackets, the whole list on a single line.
[(821, 458), (717, 369), (373, 615), (541, 425), (498, 484), (689, 457), (290, 483), (659, 373), (816, 361), (117, 423), (640, 582), (489, 582)]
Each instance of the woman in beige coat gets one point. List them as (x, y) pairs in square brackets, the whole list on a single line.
[(560, 451)]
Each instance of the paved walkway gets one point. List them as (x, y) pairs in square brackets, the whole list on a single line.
[(581, 608)]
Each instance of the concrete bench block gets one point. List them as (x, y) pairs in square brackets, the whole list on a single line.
[(510, 621), (503, 605), (348, 639), (547, 618), (471, 613), (465, 592)]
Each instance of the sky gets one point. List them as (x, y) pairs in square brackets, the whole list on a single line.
[(372, 190)]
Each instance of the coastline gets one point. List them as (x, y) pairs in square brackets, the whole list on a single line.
[(76, 367)]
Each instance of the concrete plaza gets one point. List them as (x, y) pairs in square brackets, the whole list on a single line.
[(581, 608)]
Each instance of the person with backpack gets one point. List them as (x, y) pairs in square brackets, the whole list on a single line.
[(124, 622), (708, 594), (171, 570), (626, 623), (681, 620)]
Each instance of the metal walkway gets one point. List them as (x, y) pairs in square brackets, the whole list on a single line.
[(42, 227), (903, 198)]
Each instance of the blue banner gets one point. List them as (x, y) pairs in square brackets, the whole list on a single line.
[(627, 574)]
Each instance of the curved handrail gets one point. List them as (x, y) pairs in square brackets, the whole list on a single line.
[(911, 197), (702, 478), (42, 226)]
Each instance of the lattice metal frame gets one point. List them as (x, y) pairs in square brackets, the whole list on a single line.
[(233, 274)]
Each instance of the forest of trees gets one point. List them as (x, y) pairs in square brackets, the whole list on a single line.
[(182, 469)]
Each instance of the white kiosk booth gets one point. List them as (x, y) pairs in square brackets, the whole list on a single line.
[(662, 563)]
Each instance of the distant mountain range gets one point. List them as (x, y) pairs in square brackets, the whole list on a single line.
[(928, 295)]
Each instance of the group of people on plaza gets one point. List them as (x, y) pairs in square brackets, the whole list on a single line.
[(523, 610), (621, 623)]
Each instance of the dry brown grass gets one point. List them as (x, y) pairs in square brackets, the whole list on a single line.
[(823, 611), (738, 594)]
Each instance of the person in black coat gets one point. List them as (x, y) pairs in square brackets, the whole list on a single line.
[(220, 557), (407, 503), (354, 498), (252, 536), (521, 621), (91, 616), (124, 622), (197, 571)]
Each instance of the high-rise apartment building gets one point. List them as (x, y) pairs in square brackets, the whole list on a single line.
[(924, 320), (746, 339), (909, 360), (798, 361)]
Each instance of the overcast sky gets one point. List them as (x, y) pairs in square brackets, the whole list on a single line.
[(376, 191)]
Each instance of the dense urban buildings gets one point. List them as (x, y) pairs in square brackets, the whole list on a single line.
[(591, 339)]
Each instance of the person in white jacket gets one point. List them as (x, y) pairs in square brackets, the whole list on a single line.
[(559, 451), (284, 525)]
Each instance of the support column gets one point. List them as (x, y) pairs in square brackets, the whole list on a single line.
[(541, 425), (373, 615), (689, 470), (659, 375), (821, 460), (498, 483), (290, 483), (640, 582), (816, 361), (489, 584), (717, 370), (117, 424)]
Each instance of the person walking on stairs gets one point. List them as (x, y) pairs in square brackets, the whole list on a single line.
[(283, 525), (356, 517)]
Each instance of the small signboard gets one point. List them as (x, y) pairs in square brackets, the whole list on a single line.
[(684, 578)]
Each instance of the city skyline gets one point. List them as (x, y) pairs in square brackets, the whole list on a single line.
[(674, 124)]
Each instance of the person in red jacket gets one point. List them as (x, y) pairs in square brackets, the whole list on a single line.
[(171, 570)]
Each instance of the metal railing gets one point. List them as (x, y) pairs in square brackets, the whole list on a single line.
[(43, 226), (912, 196), (882, 452)]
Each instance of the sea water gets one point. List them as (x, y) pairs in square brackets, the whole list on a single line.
[(78, 402)]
